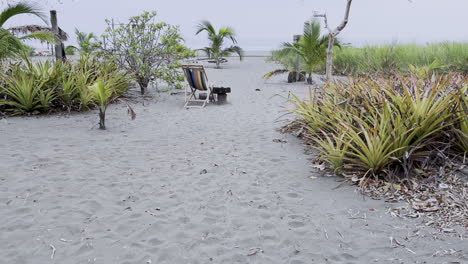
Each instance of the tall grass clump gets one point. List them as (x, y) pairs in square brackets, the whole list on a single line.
[(387, 59), (374, 126)]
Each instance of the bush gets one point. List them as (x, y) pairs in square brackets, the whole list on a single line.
[(29, 88), (147, 49), (370, 126)]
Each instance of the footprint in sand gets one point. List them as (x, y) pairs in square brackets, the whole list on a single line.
[(296, 224), (293, 195)]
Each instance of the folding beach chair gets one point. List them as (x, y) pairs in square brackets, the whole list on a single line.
[(197, 81)]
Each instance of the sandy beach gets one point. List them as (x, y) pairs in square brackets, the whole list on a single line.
[(212, 185)]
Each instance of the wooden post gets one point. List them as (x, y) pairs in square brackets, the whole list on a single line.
[(298, 59), (55, 30)]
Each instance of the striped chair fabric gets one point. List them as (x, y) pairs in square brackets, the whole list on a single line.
[(196, 78)]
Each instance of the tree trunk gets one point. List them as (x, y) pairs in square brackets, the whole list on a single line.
[(329, 67), (143, 82), (102, 119), (309, 79), (296, 38), (331, 41), (217, 63)]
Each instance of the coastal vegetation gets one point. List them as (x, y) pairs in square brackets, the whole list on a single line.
[(443, 57), (101, 74), (216, 49)]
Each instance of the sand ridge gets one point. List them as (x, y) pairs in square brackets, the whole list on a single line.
[(190, 186)]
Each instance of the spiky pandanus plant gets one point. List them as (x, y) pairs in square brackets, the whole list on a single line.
[(10, 45), (216, 49)]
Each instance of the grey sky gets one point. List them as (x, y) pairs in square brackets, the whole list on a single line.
[(264, 24)]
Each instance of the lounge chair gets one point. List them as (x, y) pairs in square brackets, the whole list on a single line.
[(197, 81)]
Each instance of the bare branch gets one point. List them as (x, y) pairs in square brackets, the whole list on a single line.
[(345, 19)]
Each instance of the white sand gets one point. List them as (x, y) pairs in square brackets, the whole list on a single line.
[(136, 193)]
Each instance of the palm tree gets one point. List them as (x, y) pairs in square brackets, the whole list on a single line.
[(215, 50), (10, 45), (87, 43), (311, 48)]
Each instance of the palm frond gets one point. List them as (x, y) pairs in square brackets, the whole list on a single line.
[(227, 32), (10, 46), (207, 51), (206, 26), (233, 49), (41, 36), (274, 73), (21, 8)]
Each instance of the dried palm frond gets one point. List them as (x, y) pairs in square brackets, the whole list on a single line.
[(274, 73)]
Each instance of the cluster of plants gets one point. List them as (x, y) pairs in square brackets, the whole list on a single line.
[(310, 49), (445, 57), (32, 88), (394, 125)]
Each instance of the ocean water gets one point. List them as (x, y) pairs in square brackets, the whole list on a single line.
[(247, 53)]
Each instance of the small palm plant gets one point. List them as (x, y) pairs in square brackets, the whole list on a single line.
[(103, 94), (10, 45), (87, 43), (311, 48), (216, 50)]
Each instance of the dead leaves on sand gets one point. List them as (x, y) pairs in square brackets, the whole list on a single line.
[(277, 140), (441, 203)]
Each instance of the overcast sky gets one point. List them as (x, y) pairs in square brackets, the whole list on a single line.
[(265, 24)]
